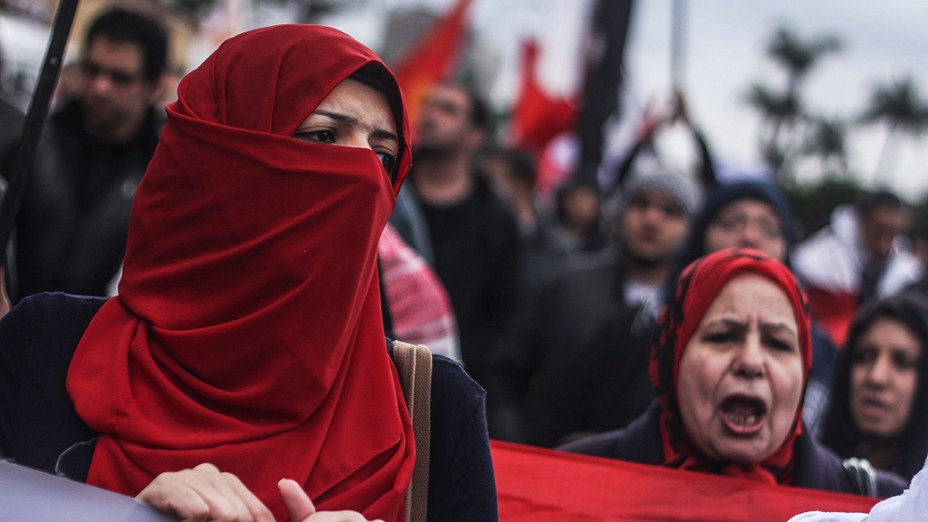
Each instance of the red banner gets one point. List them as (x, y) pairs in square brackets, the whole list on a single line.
[(432, 58), (539, 485), (537, 116)]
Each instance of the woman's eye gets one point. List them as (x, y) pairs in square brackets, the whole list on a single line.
[(318, 136), (770, 228), (904, 362), (864, 356), (720, 337), (730, 223), (779, 345), (388, 161)]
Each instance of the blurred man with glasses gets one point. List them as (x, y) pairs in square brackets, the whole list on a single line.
[(71, 232)]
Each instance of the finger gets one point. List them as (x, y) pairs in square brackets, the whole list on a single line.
[(168, 493), (223, 501), (258, 510), (338, 516), (295, 498)]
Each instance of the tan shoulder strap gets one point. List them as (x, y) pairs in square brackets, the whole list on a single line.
[(414, 365)]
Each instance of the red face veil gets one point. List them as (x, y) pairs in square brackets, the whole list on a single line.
[(247, 331), (697, 288)]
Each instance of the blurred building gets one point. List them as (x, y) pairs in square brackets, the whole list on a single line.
[(25, 27)]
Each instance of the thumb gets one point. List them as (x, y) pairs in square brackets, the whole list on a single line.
[(297, 501)]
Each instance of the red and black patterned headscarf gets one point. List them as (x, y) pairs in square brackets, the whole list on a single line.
[(696, 289), (247, 331)]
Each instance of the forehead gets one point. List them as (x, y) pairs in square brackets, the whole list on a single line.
[(362, 102), (887, 331), (655, 196), (750, 294), (885, 215), (449, 95), (126, 56)]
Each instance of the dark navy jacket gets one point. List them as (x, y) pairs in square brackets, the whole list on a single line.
[(816, 466), (38, 422)]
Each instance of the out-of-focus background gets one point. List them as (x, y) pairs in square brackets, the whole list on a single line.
[(818, 94)]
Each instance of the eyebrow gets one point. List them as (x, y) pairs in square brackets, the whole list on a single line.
[(780, 327), (378, 133), (735, 323)]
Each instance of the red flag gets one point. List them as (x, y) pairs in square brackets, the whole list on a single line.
[(543, 485), (537, 117), (431, 59)]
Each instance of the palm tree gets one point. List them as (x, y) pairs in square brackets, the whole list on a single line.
[(777, 110), (785, 109), (827, 142), (798, 56), (898, 105)]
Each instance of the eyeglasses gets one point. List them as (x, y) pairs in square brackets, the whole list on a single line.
[(119, 78), (770, 228)]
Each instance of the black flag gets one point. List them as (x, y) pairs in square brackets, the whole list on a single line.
[(600, 101)]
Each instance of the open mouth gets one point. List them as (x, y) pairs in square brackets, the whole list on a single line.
[(743, 415)]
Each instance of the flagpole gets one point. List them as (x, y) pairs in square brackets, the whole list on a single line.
[(678, 26), (35, 119)]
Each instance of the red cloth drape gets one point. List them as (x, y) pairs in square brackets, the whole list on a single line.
[(248, 328), (540, 485), (834, 309)]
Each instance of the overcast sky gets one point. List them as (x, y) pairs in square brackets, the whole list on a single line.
[(725, 54), (883, 41)]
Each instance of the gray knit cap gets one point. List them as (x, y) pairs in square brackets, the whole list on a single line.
[(676, 185)]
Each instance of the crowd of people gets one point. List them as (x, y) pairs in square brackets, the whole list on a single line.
[(205, 298)]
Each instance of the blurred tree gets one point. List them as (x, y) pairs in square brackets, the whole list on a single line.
[(827, 144), (918, 218), (918, 228), (898, 106), (814, 204), (798, 56), (782, 110)]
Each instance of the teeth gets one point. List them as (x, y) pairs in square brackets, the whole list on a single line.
[(742, 420)]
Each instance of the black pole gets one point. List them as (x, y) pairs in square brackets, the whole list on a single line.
[(35, 119), (603, 81), (678, 27)]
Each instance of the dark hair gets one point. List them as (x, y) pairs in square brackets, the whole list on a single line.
[(521, 162), (523, 166), (840, 433), (124, 26), (481, 116), (867, 202)]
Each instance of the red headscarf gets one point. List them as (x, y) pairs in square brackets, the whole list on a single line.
[(697, 288), (247, 331)]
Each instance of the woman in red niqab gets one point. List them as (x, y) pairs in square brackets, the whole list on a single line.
[(247, 332)]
